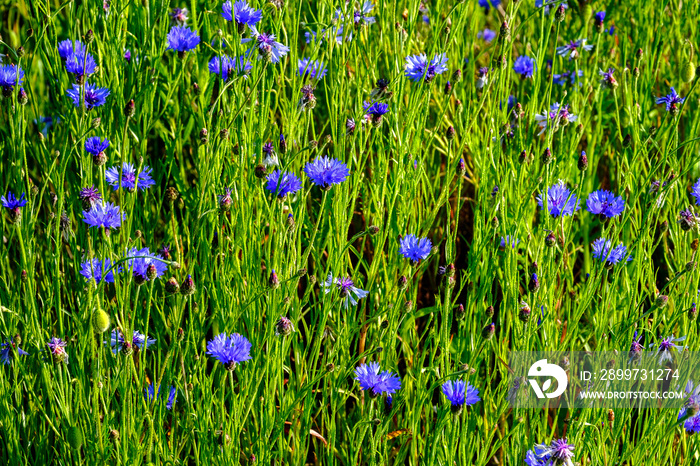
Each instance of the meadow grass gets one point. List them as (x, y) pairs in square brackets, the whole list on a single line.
[(454, 163)]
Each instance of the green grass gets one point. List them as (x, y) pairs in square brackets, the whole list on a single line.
[(404, 179)]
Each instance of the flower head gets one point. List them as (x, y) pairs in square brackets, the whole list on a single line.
[(418, 69), (325, 172), (414, 248), (141, 262), (695, 192), (487, 4), (242, 15), (6, 353), (269, 48), (96, 146), (347, 289), (11, 203), (559, 452), (672, 100), (90, 95), (508, 241), (602, 250), (605, 203), (567, 77), (129, 179), (10, 76), (361, 18), (179, 16), (58, 350), (68, 48), (182, 39), (81, 64), (487, 34), (572, 48), (104, 214), (311, 68), (90, 196), (560, 200), (607, 79), (558, 115), (688, 220), (282, 183), (95, 269), (665, 349), (227, 67), (376, 109), (460, 393), (524, 66), (229, 350), (375, 382), (138, 339)]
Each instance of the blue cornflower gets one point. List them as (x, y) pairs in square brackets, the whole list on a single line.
[(377, 383), (524, 66), (93, 269), (665, 349), (96, 146), (695, 192), (67, 48), (548, 5), (375, 109), (104, 214), (559, 452), (672, 100), (325, 172), (605, 203), (558, 115), (82, 64), (91, 95), (347, 289), (487, 4), (567, 76), (142, 261), (418, 68), (487, 34), (360, 16), (58, 350), (558, 200), (598, 19), (242, 14), (689, 414), (508, 241), (138, 339), (269, 48), (313, 68), (460, 394), (6, 353), (151, 393), (414, 248), (572, 48), (129, 177), (282, 183), (10, 76), (229, 350), (182, 39), (607, 79), (602, 250), (11, 203), (227, 67)]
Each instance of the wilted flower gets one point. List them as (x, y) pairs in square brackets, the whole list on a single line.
[(558, 115), (607, 79), (665, 349), (347, 289), (58, 351)]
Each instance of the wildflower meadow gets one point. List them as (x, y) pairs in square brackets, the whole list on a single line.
[(289, 232)]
